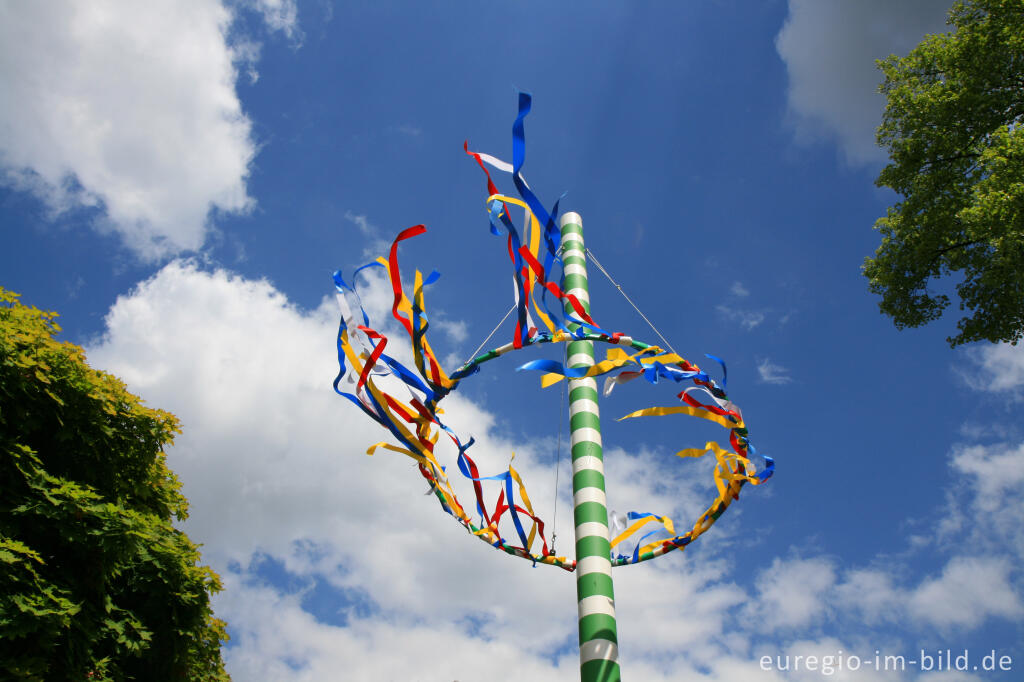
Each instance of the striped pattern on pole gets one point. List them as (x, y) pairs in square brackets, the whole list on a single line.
[(599, 650)]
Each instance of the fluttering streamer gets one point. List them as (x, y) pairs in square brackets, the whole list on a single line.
[(414, 420)]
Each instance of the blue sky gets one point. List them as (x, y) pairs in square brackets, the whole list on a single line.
[(179, 181)]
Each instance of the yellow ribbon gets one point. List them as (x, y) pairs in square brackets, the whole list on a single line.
[(615, 357), (685, 409), (636, 525)]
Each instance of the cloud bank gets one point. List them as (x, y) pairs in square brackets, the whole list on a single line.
[(130, 109), (829, 48), (335, 561)]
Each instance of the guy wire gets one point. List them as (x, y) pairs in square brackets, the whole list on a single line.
[(618, 286)]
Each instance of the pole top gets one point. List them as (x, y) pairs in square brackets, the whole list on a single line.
[(570, 218)]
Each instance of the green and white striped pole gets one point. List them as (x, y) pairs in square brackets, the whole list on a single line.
[(599, 649)]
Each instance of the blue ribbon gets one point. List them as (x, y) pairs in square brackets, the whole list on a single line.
[(553, 236), (725, 372)]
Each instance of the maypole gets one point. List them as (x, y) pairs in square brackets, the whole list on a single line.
[(413, 417), (599, 651)]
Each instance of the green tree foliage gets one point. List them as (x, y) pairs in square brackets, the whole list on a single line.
[(95, 582), (953, 130)]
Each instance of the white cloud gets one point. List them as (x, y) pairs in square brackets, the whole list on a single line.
[(279, 15), (771, 373), (830, 48), (992, 475), (131, 108), (869, 593), (376, 246), (800, 594), (738, 289), (1000, 367), (283, 642), (455, 329), (969, 590), (748, 319), (996, 472), (362, 223), (792, 594)]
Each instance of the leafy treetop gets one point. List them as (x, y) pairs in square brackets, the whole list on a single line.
[(952, 127), (95, 581)]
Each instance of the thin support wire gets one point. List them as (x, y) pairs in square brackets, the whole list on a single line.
[(618, 286), (558, 463), (496, 327)]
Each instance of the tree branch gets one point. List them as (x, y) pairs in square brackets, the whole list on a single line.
[(946, 159), (952, 247)]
